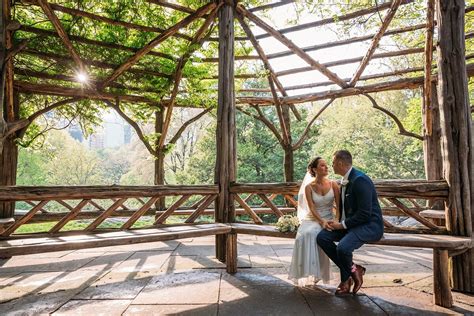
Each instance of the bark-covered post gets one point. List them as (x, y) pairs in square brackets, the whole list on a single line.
[(160, 158), (456, 133), (288, 160), (9, 111), (225, 171), (432, 146)]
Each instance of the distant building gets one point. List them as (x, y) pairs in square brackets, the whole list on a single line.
[(114, 132), (127, 134), (76, 133), (96, 141)]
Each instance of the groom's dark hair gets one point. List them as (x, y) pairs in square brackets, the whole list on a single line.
[(313, 164), (344, 156)]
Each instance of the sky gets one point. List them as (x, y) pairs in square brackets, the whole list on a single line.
[(278, 19)]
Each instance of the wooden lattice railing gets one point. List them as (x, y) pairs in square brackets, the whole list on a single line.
[(400, 198), (95, 205), (134, 207)]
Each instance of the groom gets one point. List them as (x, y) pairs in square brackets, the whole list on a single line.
[(360, 222)]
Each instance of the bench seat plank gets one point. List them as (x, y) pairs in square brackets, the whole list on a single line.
[(389, 239), (32, 245)]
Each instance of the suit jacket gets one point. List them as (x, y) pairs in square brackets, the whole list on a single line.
[(362, 211)]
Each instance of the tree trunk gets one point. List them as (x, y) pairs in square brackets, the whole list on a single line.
[(432, 147), (159, 160), (8, 166), (456, 133), (9, 112), (288, 161), (225, 171)]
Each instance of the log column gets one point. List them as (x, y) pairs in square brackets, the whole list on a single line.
[(9, 111), (159, 159), (225, 171), (432, 146), (289, 158), (456, 133)]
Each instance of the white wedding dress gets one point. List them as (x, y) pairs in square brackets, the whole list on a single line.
[(309, 263)]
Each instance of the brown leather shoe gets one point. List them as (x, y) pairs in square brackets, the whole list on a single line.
[(344, 288), (358, 279)]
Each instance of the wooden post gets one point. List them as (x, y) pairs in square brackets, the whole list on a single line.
[(288, 160), (442, 289), (159, 159), (231, 256), (456, 133), (432, 146), (9, 112), (225, 171)]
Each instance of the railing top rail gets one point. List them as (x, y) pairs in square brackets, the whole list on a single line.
[(21, 193), (411, 188)]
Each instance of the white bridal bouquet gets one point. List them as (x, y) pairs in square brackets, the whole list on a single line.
[(288, 223)]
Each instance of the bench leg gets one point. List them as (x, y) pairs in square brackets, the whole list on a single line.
[(231, 253), (442, 288)]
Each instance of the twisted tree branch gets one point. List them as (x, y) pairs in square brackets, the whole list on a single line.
[(401, 128)]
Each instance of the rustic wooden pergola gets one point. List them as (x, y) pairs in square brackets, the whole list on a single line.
[(447, 135)]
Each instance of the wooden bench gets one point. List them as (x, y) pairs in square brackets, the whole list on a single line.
[(443, 247), (18, 245)]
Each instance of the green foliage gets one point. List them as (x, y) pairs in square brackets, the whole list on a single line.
[(372, 138)]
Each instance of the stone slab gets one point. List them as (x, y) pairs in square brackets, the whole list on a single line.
[(406, 301), (93, 307), (191, 310), (189, 287), (143, 261), (115, 286), (262, 300), (328, 304)]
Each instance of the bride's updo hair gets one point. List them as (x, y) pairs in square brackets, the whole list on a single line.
[(313, 164)]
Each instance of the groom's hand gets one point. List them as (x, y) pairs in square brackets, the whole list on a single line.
[(335, 225)]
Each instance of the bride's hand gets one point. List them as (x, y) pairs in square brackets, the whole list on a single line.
[(325, 224)]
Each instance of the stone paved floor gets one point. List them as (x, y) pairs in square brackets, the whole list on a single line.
[(182, 277)]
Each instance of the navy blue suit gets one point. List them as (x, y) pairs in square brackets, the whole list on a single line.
[(363, 219)]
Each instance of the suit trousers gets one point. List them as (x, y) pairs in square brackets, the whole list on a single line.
[(340, 254)]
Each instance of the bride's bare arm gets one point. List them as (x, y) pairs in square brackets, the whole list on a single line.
[(337, 195), (312, 207)]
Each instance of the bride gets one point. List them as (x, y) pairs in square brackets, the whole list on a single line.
[(316, 197)]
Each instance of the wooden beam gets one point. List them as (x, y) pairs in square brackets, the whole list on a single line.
[(226, 144), (11, 229), (84, 14), (351, 40), (26, 87), (162, 218), (192, 218), (92, 226), (173, 6), (193, 46), (67, 78), (62, 34), (428, 113), (157, 40), (375, 41), (285, 41), (70, 216), (271, 5), (99, 64), (272, 78), (409, 83), (83, 40), (404, 52), (339, 18), (248, 210)]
